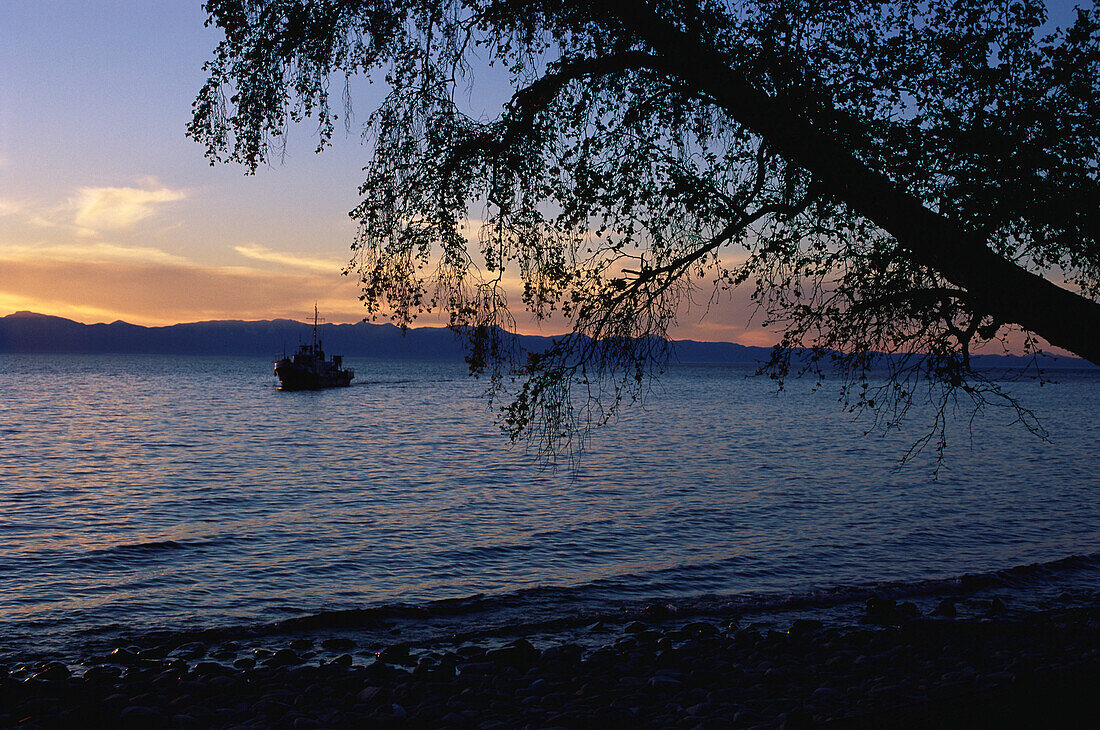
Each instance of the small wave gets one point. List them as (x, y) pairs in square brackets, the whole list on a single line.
[(601, 600), (138, 551), (1022, 577), (140, 547), (1017, 578), (558, 609)]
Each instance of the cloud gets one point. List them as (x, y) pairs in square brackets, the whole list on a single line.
[(262, 253), (84, 253), (9, 207), (118, 208), (57, 308), (102, 282), (166, 292)]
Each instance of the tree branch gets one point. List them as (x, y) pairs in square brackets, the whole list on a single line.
[(999, 286), (526, 103)]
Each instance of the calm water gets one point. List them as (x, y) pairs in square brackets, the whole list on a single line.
[(146, 493)]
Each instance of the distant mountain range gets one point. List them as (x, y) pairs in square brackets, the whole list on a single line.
[(27, 332)]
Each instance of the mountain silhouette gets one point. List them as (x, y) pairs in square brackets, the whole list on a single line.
[(28, 332)]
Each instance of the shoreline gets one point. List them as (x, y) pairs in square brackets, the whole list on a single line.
[(893, 668), (550, 614)]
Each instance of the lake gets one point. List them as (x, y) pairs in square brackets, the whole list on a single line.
[(143, 494)]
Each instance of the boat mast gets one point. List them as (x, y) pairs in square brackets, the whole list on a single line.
[(316, 320)]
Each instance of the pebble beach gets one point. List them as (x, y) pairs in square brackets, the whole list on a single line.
[(895, 667)]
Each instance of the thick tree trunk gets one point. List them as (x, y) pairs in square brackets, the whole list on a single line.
[(998, 286)]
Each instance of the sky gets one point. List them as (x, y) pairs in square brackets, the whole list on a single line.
[(108, 211)]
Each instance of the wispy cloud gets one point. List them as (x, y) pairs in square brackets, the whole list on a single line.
[(100, 281), (58, 307), (283, 258), (97, 252), (9, 207), (118, 208), (161, 292)]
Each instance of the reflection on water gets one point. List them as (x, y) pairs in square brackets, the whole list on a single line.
[(156, 492)]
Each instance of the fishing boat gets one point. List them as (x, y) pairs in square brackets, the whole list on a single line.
[(308, 369)]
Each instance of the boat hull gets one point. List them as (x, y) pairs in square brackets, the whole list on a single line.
[(297, 378)]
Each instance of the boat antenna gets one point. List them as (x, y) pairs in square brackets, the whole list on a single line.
[(316, 319)]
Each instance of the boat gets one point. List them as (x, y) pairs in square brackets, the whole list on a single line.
[(308, 369)]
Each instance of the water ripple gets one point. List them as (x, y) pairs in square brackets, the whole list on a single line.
[(156, 493)]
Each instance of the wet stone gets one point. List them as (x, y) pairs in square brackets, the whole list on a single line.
[(283, 658), (140, 718), (123, 656), (337, 644), (659, 611), (705, 681), (470, 651), (886, 612), (947, 608), (567, 653), (223, 683), (517, 654), (396, 654), (666, 683), (192, 650), (477, 668), (701, 628), (826, 694), (747, 636), (379, 671), (53, 671), (306, 723), (186, 722), (207, 668), (804, 627), (370, 694), (102, 674)]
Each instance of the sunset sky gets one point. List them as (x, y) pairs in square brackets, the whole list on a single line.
[(107, 211)]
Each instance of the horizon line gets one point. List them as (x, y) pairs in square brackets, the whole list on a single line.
[(26, 312), (360, 321)]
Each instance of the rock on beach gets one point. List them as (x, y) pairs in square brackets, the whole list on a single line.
[(897, 670)]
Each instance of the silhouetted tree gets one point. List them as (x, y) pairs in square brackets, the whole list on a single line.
[(900, 177)]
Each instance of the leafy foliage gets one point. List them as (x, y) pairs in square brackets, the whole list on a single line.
[(649, 157)]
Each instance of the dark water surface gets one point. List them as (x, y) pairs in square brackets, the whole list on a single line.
[(144, 493)]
